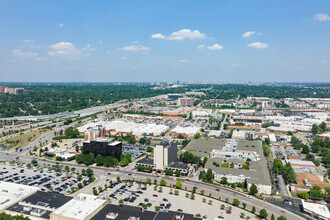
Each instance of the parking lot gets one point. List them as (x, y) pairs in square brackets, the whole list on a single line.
[(165, 198), (46, 177)]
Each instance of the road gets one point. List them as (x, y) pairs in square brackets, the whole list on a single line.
[(101, 174)]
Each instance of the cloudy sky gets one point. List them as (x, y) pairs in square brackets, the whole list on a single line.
[(186, 40)]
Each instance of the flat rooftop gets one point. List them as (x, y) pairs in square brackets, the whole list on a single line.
[(48, 201), (11, 193), (80, 207)]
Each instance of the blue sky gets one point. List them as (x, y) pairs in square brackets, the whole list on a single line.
[(144, 41)]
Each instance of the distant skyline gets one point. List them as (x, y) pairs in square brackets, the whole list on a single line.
[(162, 41)]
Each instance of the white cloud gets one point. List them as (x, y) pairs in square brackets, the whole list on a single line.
[(181, 35), (183, 61), (258, 45), (20, 53), (124, 58), (236, 64), (159, 36), (100, 42), (88, 47), (324, 62), (135, 48), (60, 25), (201, 47), (28, 41), (215, 47), (67, 50), (248, 34), (41, 58), (322, 17)]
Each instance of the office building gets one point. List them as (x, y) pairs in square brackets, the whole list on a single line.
[(165, 153), (186, 102), (2, 89), (103, 146), (165, 157), (94, 132)]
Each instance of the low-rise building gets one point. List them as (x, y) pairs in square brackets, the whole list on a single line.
[(82, 207), (11, 193), (316, 210)]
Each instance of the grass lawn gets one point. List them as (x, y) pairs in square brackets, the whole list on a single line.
[(22, 140)]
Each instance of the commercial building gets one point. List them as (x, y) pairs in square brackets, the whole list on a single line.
[(234, 152), (185, 131), (186, 101), (94, 132), (305, 166), (112, 211), (316, 210), (165, 157), (11, 193), (82, 207), (122, 127), (103, 146), (39, 205)]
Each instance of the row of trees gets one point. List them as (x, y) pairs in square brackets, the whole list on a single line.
[(89, 159), (188, 157), (315, 193), (316, 129), (286, 170)]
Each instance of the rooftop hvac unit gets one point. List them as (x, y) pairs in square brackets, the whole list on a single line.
[(38, 212), (111, 215)]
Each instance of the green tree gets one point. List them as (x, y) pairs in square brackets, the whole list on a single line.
[(278, 166), (197, 136), (253, 190), (323, 127), (315, 129), (223, 180), (225, 164), (178, 185), (289, 173), (263, 213), (236, 202), (272, 217), (303, 195), (315, 192), (281, 218), (89, 172), (162, 182), (99, 160), (253, 209)]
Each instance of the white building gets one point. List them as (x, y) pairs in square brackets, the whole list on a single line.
[(164, 154), (82, 207), (11, 193), (315, 210)]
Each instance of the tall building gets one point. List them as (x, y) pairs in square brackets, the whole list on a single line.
[(2, 89), (186, 101), (103, 146), (164, 154), (10, 90), (18, 91), (94, 132)]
